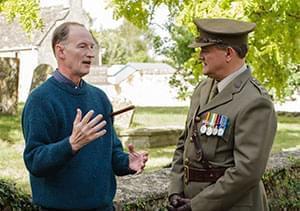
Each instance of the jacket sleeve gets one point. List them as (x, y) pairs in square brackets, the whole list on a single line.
[(42, 155), (255, 129), (176, 176)]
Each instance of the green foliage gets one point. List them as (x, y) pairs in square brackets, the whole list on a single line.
[(282, 186), (124, 44), (146, 204), (27, 12), (274, 46), (13, 198), (139, 12)]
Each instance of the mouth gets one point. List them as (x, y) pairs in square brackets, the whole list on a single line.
[(87, 62)]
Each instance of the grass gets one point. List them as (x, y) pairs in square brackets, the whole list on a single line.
[(159, 116), (288, 133), (10, 128), (12, 143)]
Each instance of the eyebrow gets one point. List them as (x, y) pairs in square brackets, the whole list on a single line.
[(86, 43)]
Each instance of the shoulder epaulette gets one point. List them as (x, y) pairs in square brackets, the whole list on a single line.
[(259, 87)]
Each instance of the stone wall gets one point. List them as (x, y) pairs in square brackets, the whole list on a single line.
[(150, 137), (9, 71), (148, 191)]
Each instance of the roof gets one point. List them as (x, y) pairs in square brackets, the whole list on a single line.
[(152, 68), (13, 36), (118, 73)]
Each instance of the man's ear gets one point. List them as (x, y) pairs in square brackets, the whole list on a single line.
[(229, 53), (59, 51)]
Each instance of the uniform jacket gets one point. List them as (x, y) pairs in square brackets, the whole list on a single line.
[(243, 149)]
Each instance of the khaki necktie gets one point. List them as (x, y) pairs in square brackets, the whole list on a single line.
[(214, 91)]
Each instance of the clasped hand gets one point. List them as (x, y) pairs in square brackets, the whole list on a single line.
[(177, 203)]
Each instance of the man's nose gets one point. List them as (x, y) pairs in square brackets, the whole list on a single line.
[(91, 53)]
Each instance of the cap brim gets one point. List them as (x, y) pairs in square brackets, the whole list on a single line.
[(199, 45)]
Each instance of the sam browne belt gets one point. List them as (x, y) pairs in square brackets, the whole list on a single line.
[(202, 175), (207, 173)]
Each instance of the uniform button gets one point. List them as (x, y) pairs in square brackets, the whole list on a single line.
[(197, 119), (191, 139)]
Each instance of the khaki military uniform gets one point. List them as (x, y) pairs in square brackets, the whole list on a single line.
[(242, 150)]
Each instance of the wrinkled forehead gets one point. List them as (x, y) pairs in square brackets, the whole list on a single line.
[(79, 34)]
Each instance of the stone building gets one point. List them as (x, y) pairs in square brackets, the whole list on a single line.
[(142, 84), (34, 49)]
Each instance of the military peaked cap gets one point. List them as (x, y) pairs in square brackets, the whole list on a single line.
[(221, 31)]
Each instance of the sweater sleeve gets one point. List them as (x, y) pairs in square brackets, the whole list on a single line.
[(120, 159), (43, 154)]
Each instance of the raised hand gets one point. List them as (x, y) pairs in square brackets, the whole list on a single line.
[(86, 130), (137, 160)]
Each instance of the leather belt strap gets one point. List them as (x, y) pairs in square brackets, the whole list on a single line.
[(202, 175), (197, 143)]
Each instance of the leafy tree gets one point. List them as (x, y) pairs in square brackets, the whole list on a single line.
[(139, 12), (27, 12), (124, 44), (274, 46)]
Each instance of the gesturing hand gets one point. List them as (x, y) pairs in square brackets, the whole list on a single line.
[(86, 130), (137, 160)]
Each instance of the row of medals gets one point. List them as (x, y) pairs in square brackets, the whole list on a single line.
[(214, 124)]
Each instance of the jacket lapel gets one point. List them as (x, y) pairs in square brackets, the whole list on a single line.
[(204, 93), (225, 95)]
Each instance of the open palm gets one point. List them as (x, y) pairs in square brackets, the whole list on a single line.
[(137, 160)]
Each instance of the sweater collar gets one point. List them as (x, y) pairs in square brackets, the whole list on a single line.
[(68, 88), (63, 79)]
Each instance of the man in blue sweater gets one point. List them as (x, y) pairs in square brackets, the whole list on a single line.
[(72, 151)]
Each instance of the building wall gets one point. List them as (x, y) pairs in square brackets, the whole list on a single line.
[(28, 62), (46, 55), (145, 90)]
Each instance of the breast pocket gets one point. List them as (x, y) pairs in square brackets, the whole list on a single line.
[(219, 149)]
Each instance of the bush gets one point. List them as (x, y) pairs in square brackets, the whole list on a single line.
[(13, 198), (283, 187)]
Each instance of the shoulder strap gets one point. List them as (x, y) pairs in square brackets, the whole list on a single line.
[(197, 143)]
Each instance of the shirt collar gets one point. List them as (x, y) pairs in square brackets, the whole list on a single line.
[(222, 84), (63, 79)]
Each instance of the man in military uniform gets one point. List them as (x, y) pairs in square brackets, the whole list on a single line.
[(222, 153)]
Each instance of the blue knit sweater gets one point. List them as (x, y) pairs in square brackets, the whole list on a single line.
[(58, 178)]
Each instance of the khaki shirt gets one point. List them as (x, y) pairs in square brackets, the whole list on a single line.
[(243, 149)]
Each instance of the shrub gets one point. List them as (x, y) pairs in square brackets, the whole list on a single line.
[(283, 186), (13, 198)]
